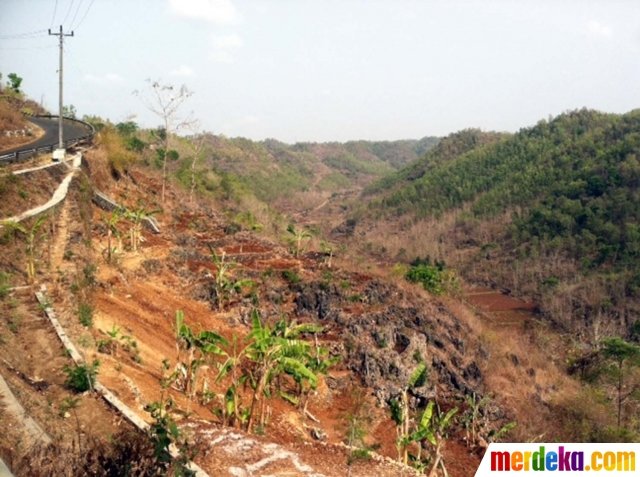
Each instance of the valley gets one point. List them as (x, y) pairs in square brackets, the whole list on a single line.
[(302, 305), (319, 239)]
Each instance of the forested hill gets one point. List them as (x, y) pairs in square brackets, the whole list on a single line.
[(447, 149), (272, 169), (566, 188)]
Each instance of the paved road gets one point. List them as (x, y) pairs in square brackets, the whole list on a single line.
[(71, 130)]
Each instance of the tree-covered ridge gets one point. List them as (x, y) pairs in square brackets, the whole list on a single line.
[(553, 209), (575, 180), (590, 200), (266, 168), (273, 169), (445, 150)]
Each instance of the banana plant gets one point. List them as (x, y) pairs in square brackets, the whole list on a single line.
[(225, 285), (297, 237), (318, 362), (198, 348), (136, 216), (432, 427), (274, 352), (327, 250), (400, 411), (111, 223), (472, 418), (270, 353), (31, 236), (232, 411)]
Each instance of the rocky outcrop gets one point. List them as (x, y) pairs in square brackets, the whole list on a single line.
[(394, 332), (319, 299)]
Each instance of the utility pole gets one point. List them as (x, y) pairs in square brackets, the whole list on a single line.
[(61, 34)]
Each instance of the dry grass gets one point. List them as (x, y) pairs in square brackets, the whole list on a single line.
[(118, 156), (127, 453), (10, 118), (525, 373)]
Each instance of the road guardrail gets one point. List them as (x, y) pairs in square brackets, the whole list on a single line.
[(28, 152)]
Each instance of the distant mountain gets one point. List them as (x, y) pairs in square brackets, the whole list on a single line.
[(552, 211)]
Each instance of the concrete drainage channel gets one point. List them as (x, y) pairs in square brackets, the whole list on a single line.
[(13, 407), (57, 197), (99, 198), (4, 470), (8, 399), (32, 429), (107, 395)]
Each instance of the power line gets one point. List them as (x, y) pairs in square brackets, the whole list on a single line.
[(76, 13), (68, 12), (85, 14), (42, 47), (23, 36), (55, 9)]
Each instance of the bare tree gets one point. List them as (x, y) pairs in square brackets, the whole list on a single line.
[(165, 101), (196, 144)]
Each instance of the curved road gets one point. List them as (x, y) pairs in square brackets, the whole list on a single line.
[(71, 129)]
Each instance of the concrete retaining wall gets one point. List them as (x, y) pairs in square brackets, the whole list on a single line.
[(106, 203)]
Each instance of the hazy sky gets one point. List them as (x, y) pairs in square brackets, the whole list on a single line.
[(333, 70)]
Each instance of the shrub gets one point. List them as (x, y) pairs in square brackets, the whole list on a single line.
[(232, 228), (434, 278), (5, 284), (429, 276), (134, 144), (81, 378), (85, 314), (291, 276), (89, 274)]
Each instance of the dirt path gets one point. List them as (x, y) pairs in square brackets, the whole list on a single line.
[(315, 209), (60, 240)]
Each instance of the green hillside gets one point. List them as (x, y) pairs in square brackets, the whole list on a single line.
[(445, 150), (567, 188), (272, 169)]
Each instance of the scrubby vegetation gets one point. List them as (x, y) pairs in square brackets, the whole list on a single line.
[(82, 377), (274, 170), (552, 207), (433, 277), (549, 212)]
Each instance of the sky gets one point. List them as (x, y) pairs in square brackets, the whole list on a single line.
[(331, 70)]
